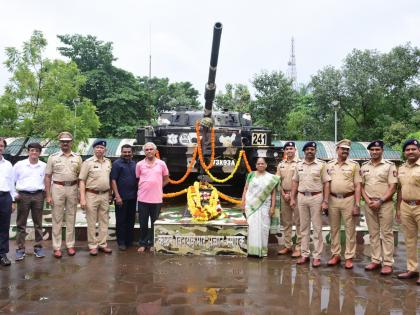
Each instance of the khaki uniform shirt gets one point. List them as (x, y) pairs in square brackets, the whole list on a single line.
[(96, 173), (62, 167), (312, 176), (409, 179), (376, 178), (285, 170), (344, 176)]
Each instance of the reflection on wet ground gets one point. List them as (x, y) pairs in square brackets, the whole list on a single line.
[(129, 283)]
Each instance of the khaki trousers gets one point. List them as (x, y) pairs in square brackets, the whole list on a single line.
[(310, 211), (410, 219), (290, 216), (64, 197), (380, 225), (97, 207), (342, 207)]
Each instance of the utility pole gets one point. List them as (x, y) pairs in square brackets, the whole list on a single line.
[(292, 73), (150, 51), (335, 106)]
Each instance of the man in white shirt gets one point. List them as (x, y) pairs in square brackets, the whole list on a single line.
[(29, 178), (7, 195)]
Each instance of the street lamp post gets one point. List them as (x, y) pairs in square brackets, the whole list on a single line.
[(75, 102), (335, 105)]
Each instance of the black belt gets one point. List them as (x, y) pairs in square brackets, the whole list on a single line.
[(342, 196), (65, 183), (97, 192), (412, 202), (31, 192), (4, 193), (310, 193)]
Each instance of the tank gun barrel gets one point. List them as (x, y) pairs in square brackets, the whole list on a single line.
[(210, 90)]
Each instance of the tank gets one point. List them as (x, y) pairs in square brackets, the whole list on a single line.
[(176, 138)]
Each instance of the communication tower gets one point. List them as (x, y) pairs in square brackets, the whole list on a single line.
[(292, 73)]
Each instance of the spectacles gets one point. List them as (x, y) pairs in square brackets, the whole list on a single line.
[(148, 149)]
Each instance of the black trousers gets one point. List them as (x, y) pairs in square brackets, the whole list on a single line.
[(147, 210), (125, 217), (5, 213)]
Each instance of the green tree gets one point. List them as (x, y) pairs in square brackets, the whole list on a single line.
[(374, 91), (274, 99), (164, 96), (121, 102), (395, 133), (326, 87), (41, 94), (302, 121), (87, 52), (235, 98)]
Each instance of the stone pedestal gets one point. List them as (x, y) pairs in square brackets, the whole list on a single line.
[(177, 233)]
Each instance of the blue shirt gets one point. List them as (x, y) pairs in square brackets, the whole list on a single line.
[(124, 173)]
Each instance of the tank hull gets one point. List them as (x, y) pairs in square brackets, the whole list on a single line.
[(176, 147)]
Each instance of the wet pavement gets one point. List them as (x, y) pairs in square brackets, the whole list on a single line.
[(132, 283)]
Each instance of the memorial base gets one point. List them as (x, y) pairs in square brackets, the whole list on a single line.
[(177, 233)]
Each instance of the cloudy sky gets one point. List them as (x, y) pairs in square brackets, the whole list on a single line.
[(256, 34)]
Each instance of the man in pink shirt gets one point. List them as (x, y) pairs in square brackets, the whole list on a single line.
[(153, 175)]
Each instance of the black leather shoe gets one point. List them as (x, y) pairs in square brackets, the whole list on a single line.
[(4, 261), (408, 275)]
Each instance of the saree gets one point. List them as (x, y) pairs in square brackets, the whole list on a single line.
[(257, 207)]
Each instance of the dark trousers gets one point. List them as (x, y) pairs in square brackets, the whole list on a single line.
[(33, 203), (5, 213), (147, 210), (125, 217)]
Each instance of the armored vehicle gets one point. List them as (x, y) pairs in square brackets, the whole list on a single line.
[(222, 135)]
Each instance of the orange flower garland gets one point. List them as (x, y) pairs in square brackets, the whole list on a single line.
[(190, 166), (200, 151), (248, 167), (175, 194), (229, 199)]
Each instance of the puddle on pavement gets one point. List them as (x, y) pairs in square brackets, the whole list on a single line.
[(153, 284)]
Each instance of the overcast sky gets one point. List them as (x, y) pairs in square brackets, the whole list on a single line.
[(256, 34)]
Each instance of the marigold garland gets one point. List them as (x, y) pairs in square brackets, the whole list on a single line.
[(200, 151), (248, 167), (189, 169), (197, 210), (229, 199), (224, 180), (175, 194)]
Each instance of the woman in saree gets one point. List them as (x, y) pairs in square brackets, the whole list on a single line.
[(259, 201)]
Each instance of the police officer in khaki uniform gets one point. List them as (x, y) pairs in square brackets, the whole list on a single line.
[(311, 185), (95, 195), (408, 205), (61, 182), (289, 215), (344, 202), (379, 183)]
